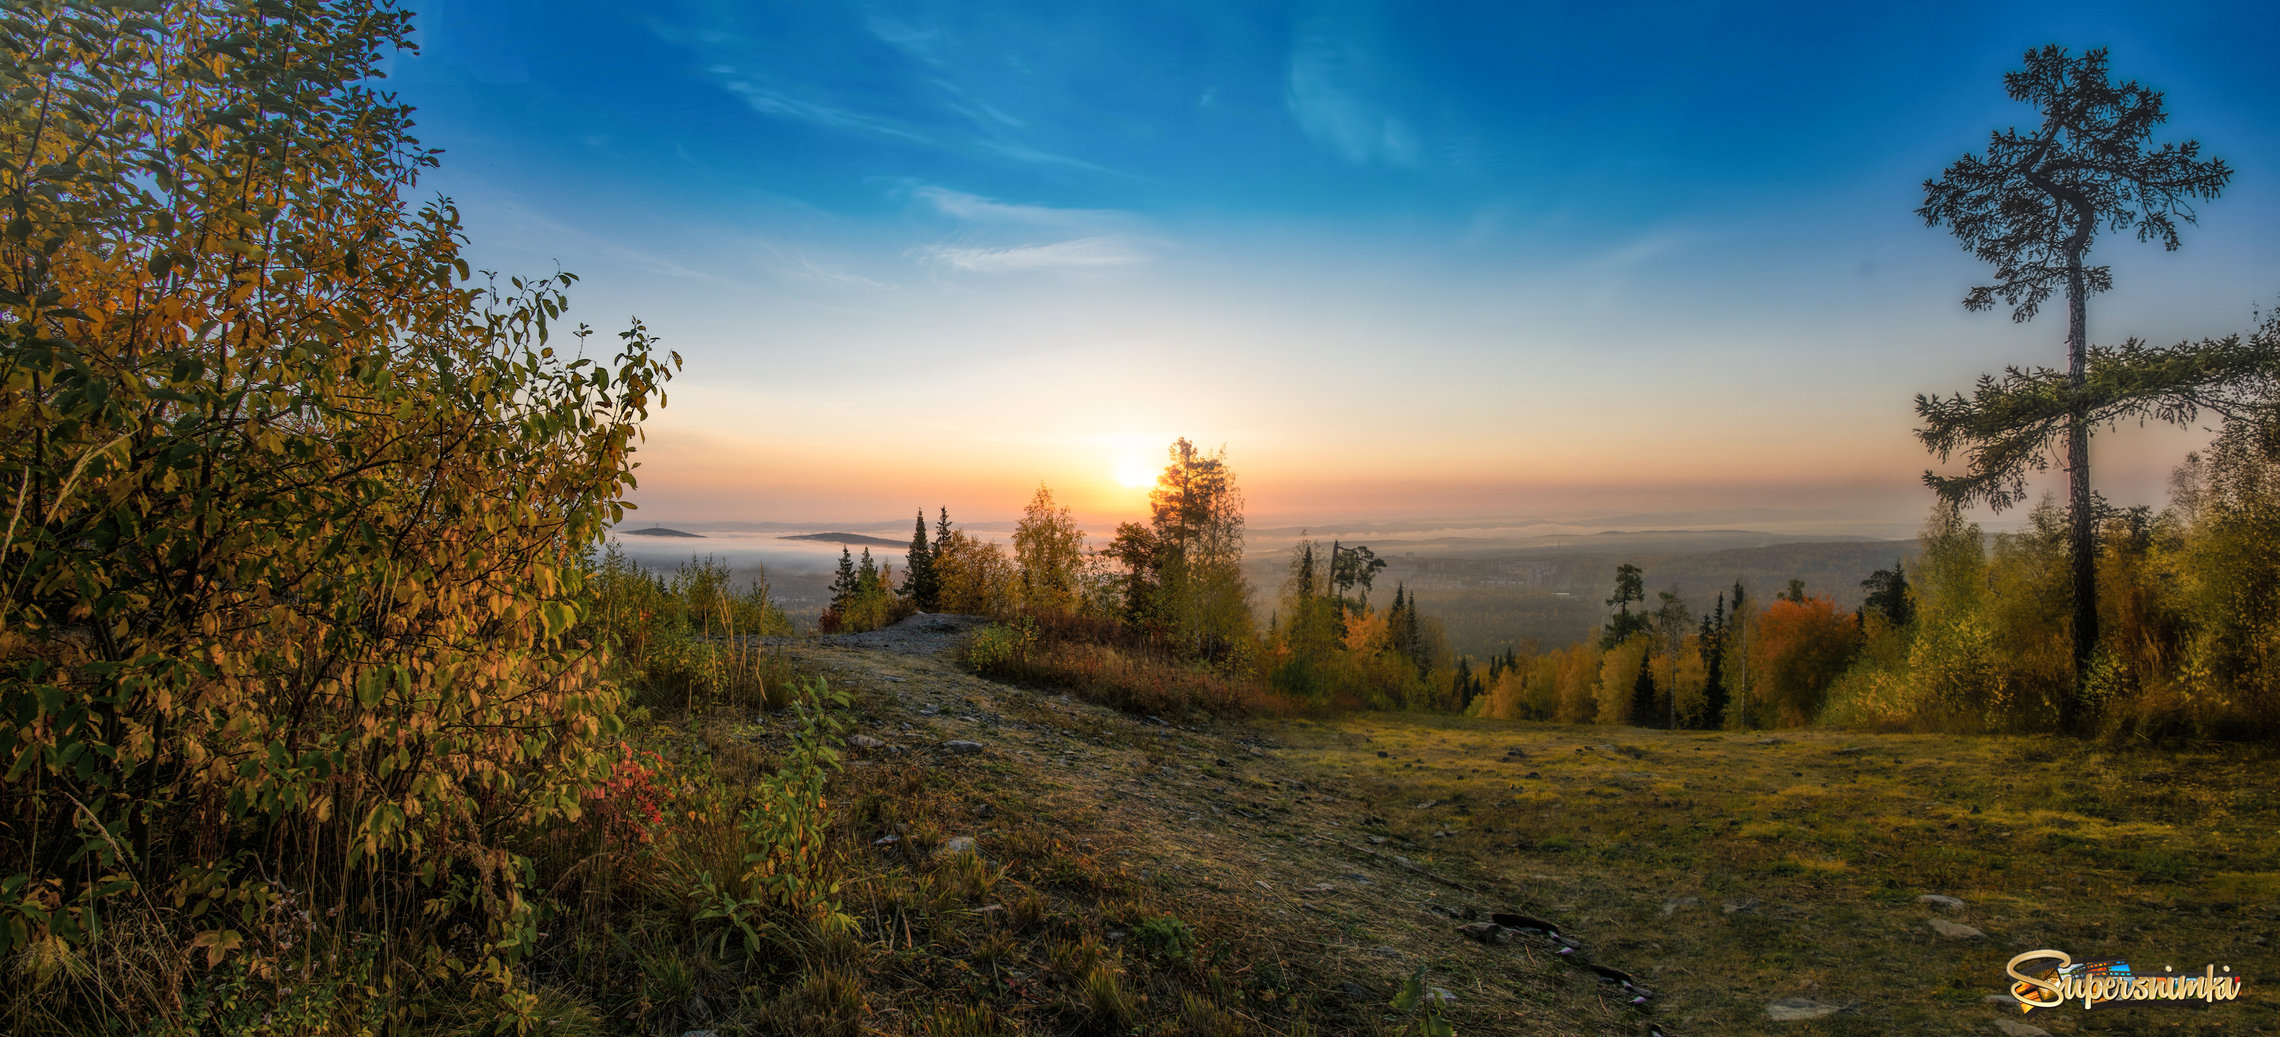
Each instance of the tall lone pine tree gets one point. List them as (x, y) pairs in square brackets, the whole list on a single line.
[(2031, 206)]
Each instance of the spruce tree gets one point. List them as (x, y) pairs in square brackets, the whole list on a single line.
[(843, 584), (1414, 636), (1643, 694), (1712, 645), (920, 584)]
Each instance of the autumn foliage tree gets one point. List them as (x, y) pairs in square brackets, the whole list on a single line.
[(1183, 570), (293, 505), (1797, 649), (1049, 552)]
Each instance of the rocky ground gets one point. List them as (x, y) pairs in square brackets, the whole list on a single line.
[(1217, 815)]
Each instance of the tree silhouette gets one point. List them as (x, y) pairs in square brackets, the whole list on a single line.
[(1630, 586), (920, 585), (2031, 206)]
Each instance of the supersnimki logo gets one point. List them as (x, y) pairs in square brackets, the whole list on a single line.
[(2048, 979)]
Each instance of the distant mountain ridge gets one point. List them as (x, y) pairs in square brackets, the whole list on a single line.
[(852, 539), (659, 531)]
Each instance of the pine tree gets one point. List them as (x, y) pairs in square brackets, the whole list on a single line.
[(1888, 595), (866, 574), (1630, 586), (2031, 206)]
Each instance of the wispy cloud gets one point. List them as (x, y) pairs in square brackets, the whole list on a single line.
[(924, 44), (1331, 95), (1097, 251), (1023, 153), (770, 102), (922, 89), (1642, 249), (977, 209), (792, 261)]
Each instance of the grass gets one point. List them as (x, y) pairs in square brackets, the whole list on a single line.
[(1204, 875), (1200, 875), (1732, 869)]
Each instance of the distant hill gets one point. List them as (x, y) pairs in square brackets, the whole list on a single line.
[(853, 539), (658, 531)]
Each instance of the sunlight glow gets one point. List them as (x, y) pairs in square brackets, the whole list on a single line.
[(1134, 472)]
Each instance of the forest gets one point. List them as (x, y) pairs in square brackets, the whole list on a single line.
[(323, 709)]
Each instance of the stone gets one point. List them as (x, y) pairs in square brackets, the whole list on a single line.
[(1936, 900), (958, 845), (1954, 931), (960, 745), (1511, 920), (1383, 951), (2018, 1029), (1486, 932), (866, 742), (1794, 1009), (1672, 906), (1356, 992)]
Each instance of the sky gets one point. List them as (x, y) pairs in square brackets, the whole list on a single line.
[(1637, 265)]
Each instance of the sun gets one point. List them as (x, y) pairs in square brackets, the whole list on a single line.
[(1133, 473)]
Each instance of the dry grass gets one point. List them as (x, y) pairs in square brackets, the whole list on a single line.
[(1284, 877), (1729, 870)]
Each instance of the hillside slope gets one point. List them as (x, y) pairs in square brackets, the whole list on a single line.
[(1673, 882)]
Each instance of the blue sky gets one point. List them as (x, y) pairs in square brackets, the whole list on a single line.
[(1404, 260)]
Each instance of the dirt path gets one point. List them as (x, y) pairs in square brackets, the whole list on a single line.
[(1869, 883), (1222, 820)]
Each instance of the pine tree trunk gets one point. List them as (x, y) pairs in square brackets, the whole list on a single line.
[(2078, 496)]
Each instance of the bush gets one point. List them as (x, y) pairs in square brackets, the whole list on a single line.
[(291, 585), (1127, 678)]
